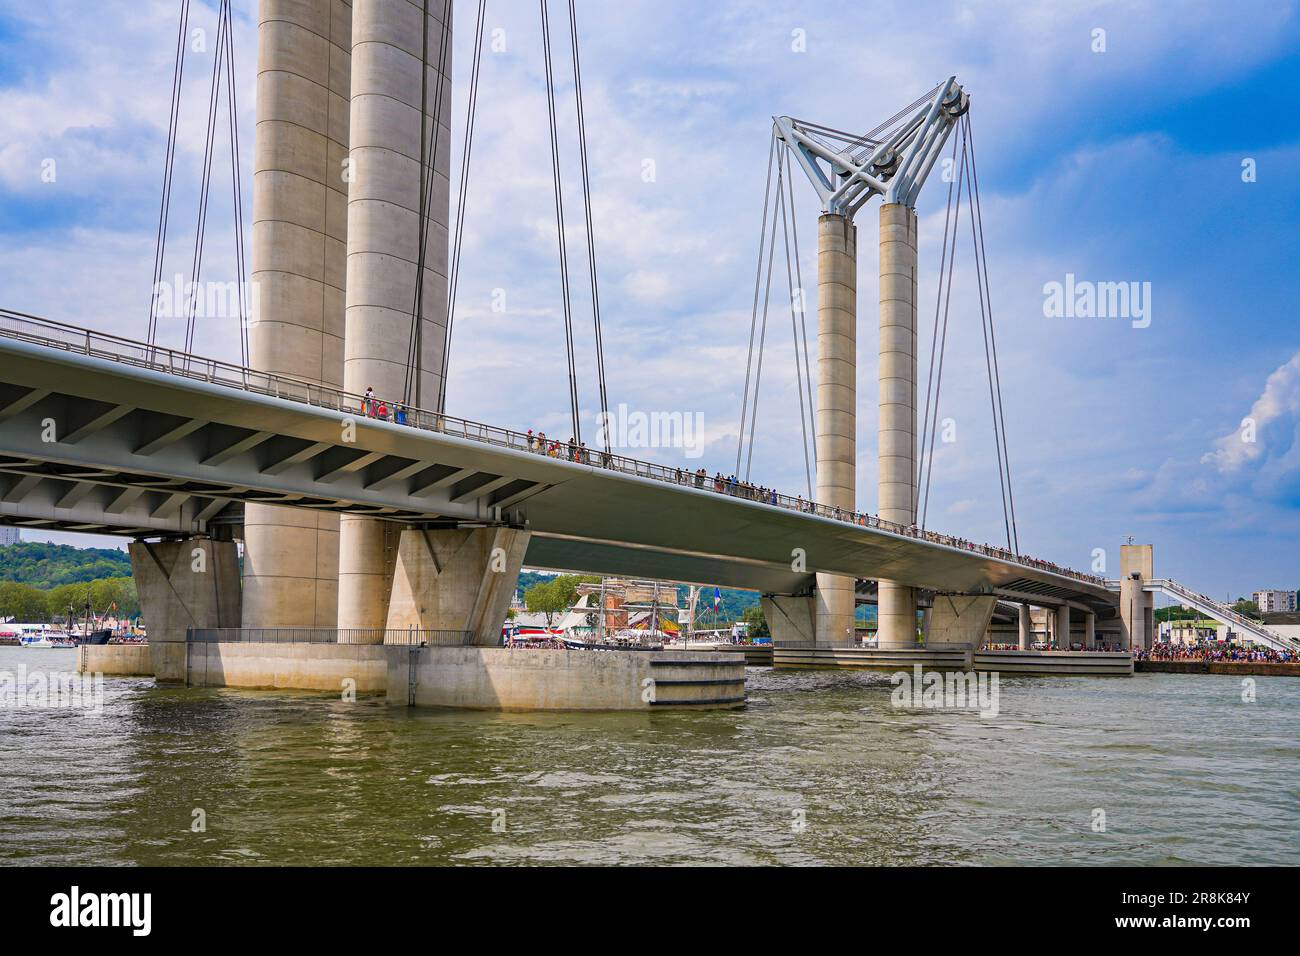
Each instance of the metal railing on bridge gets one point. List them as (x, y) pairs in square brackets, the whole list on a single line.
[(406, 637), (70, 338)]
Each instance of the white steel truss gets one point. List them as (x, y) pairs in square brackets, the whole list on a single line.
[(891, 161)]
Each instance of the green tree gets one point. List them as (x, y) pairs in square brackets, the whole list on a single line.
[(47, 565), (1246, 608), (557, 595), (23, 603), (546, 598), (755, 622)]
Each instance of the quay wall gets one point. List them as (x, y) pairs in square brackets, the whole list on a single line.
[(115, 660), (323, 667), (1241, 668), (756, 655), (504, 678), (474, 678), (956, 657)]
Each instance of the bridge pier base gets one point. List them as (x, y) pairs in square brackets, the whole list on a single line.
[(792, 619), (1063, 627), (456, 580), (960, 619), (184, 584), (1026, 628)]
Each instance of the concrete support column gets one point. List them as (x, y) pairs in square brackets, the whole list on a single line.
[(456, 580), (384, 215), (792, 619), (897, 453), (184, 584), (367, 556), (837, 387), (959, 619), (1063, 627), (298, 272), (1026, 628), (1090, 631)]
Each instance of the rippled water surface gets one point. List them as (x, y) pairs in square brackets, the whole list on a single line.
[(819, 768)]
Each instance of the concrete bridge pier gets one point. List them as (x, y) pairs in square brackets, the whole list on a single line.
[(836, 424), (792, 618), (1026, 628), (367, 557), (959, 619), (1062, 627), (897, 453), (1089, 631), (458, 579), (182, 584)]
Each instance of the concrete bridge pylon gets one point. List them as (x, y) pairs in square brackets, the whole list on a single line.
[(298, 261), (397, 216), (847, 171)]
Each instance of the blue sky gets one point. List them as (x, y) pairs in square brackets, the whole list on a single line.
[(1122, 165)]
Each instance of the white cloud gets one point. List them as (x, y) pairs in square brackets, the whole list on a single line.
[(1278, 405)]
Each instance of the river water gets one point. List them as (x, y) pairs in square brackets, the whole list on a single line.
[(818, 769)]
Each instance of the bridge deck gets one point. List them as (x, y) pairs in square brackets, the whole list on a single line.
[(186, 434)]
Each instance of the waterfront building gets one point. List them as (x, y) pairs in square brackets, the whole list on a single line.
[(1274, 601)]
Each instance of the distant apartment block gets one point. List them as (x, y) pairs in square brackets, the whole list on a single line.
[(1275, 602), (9, 536)]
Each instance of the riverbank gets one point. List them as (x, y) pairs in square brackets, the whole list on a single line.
[(1242, 668)]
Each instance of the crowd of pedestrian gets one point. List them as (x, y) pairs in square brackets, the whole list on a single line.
[(373, 407), (577, 451), (1213, 651)]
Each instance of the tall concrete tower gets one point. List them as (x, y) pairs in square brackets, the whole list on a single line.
[(401, 92), (299, 254), (837, 414), (896, 604), (892, 162)]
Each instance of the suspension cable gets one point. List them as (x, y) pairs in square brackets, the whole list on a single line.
[(591, 241), (169, 164), (982, 255), (753, 321), (200, 233), (794, 334), (934, 338), (767, 295), (943, 343), (237, 189), (467, 147), (412, 384), (559, 223), (988, 359), (803, 324)]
